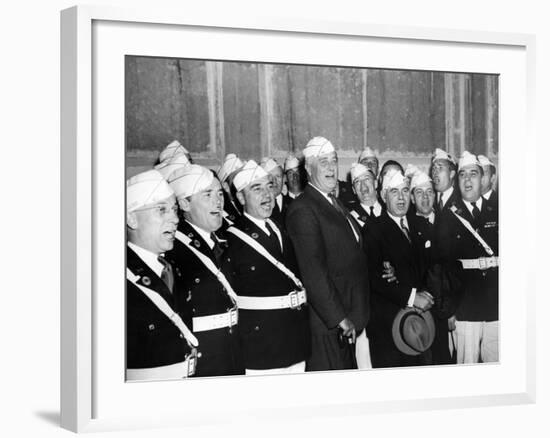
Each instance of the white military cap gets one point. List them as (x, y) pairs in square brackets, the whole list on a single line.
[(250, 172), (484, 161), (186, 181), (393, 178), (440, 154), (171, 151), (411, 170), (420, 179), (168, 166), (358, 170), (366, 153), (291, 162), (268, 164), (146, 188), (229, 165), (467, 159), (318, 146)]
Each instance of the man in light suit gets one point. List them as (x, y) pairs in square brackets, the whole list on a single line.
[(328, 246)]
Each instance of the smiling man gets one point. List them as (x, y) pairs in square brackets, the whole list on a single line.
[(328, 246), (272, 302), (157, 346), (443, 173), (366, 208), (467, 244), (198, 255)]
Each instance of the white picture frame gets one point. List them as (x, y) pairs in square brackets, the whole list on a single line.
[(85, 376)]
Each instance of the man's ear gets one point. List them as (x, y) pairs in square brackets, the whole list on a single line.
[(412, 197), (240, 197), (493, 180), (184, 204), (453, 174), (131, 220)]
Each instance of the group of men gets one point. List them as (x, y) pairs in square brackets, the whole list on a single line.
[(263, 268)]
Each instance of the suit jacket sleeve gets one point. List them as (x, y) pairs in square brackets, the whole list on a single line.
[(306, 234)]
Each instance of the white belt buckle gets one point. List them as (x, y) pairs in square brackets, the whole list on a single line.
[(191, 363), (483, 263), (233, 317), (294, 300)]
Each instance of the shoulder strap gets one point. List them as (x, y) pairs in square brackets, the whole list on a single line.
[(469, 227), (164, 307), (209, 265), (357, 217), (263, 252)]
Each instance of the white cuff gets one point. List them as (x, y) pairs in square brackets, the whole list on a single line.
[(412, 296)]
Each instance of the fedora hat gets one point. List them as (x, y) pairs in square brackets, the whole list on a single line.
[(413, 331)]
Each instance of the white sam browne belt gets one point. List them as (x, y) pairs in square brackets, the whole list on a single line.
[(213, 322), (291, 301), (481, 263)]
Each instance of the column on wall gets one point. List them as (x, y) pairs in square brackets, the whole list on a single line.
[(214, 76)]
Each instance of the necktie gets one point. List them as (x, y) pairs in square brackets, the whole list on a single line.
[(217, 249), (337, 205), (167, 275), (273, 237), (476, 213), (440, 202), (371, 214), (405, 229), (351, 221)]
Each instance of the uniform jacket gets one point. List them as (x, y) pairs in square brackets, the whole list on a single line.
[(453, 200), (362, 216), (278, 214), (152, 339), (477, 295), (205, 295), (270, 338), (331, 261)]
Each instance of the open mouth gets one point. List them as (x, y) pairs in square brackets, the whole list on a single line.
[(170, 235)]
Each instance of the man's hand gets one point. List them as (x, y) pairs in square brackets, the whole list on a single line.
[(348, 328), (389, 272), (423, 301), (452, 323)]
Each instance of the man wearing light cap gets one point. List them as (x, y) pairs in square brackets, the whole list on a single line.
[(198, 253), (488, 180), (328, 245), (294, 177), (392, 240), (226, 173), (367, 208), (272, 301), (158, 347), (467, 245), (443, 173), (368, 158), (169, 165), (275, 172)]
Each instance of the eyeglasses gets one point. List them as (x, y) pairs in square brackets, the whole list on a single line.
[(163, 210)]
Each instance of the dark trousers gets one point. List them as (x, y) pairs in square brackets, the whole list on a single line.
[(327, 353)]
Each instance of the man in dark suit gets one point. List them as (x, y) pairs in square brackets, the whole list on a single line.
[(488, 181), (198, 254), (366, 208), (327, 241), (277, 177), (443, 173), (157, 347), (273, 315), (467, 244), (294, 177), (391, 240)]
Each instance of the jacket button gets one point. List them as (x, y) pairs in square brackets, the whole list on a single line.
[(181, 335), (257, 328), (197, 280), (151, 326), (253, 268)]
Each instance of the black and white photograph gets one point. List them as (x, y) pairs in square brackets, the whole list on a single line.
[(290, 218)]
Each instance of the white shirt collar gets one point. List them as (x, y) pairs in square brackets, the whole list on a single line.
[(397, 220), (470, 207), (279, 201), (293, 195), (447, 194), (259, 222), (488, 194), (430, 217), (377, 208), (149, 258), (204, 234), (321, 192)]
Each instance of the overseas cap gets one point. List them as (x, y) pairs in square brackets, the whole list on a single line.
[(318, 146), (440, 154), (358, 170), (393, 178), (420, 179), (167, 167), (186, 181), (249, 173), (268, 164), (229, 165), (171, 151), (411, 170), (366, 153), (484, 161), (146, 188), (291, 162), (467, 159)]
